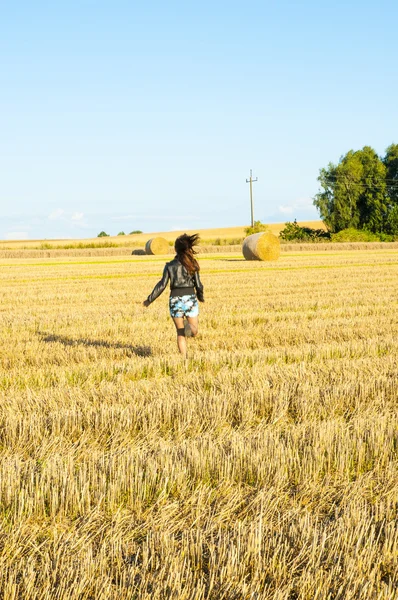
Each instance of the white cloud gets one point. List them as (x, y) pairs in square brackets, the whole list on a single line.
[(304, 203), (297, 205), (56, 214), (60, 214), (286, 209), (17, 235)]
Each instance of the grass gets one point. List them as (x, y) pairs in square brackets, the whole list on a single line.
[(264, 467)]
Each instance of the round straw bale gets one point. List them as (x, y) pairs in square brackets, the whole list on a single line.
[(157, 245), (139, 251), (261, 246)]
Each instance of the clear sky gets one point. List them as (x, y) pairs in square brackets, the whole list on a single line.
[(149, 115)]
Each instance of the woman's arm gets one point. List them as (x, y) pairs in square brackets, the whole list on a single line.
[(159, 287), (199, 287)]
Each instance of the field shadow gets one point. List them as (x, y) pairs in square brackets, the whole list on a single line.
[(67, 341)]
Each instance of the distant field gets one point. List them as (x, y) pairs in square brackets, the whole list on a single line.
[(263, 468), (207, 235)]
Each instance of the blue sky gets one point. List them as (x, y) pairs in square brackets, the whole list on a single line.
[(131, 115)]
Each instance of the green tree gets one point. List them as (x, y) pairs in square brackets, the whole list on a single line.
[(103, 234), (295, 232), (121, 233), (373, 202), (258, 227), (391, 162), (338, 201), (354, 193), (392, 221)]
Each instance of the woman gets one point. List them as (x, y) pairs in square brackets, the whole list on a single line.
[(185, 289)]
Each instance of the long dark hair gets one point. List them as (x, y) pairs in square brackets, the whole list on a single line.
[(184, 246)]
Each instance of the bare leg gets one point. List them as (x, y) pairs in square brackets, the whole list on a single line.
[(181, 341), (194, 325)]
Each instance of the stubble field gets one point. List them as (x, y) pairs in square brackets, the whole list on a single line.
[(265, 467)]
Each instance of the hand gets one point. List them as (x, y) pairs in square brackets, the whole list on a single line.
[(146, 303)]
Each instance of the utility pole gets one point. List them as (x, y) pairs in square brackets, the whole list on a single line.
[(251, 180)]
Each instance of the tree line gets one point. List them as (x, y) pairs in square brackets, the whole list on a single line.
[(360, 192), (104, 234)]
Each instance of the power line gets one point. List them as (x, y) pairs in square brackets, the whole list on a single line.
[(366, 185), (373, 186), (344, 177)]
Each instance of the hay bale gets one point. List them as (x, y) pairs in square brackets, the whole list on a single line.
[(261, 246), (157, 245), (139, 252)]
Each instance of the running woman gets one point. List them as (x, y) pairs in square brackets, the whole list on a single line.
[(185, 289)]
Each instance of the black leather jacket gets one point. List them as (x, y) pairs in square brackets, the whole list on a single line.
[(179, 279)]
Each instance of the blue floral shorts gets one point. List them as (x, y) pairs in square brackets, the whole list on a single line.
[(183, 306)]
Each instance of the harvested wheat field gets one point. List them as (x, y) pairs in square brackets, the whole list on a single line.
[(263, 468)]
